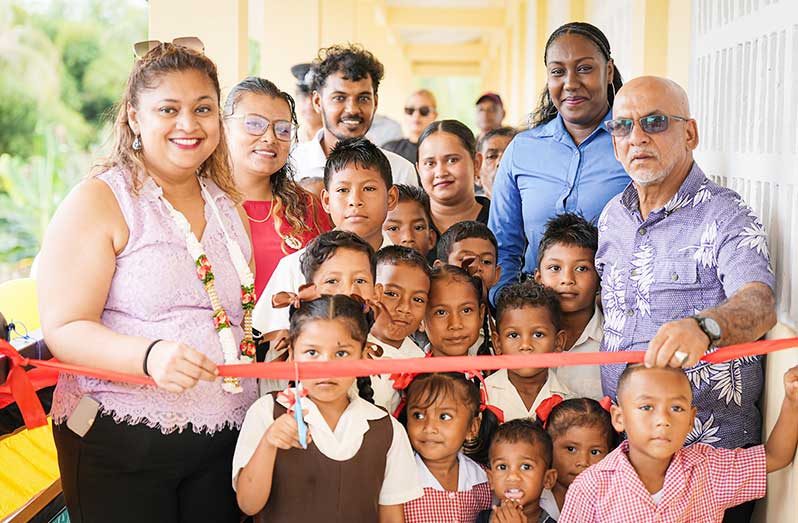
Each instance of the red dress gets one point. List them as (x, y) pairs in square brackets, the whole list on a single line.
[(269, 247)]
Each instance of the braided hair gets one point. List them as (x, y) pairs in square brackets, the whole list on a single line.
[(546, 111), (339, 308)]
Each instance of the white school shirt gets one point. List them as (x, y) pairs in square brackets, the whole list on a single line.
[(469, 474), (309, 159), (549, 503), (400, 483), (503, 394), (287, 277), (384, 394), (584, 381)]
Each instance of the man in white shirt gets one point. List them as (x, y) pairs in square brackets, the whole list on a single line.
[(345, 82)]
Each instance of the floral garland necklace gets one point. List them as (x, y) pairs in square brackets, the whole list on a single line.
[(245, 353)]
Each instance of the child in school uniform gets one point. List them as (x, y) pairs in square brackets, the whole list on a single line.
[(527, 322), (358, 464), (582, 435), (471, 245), (566, 264), (652, 477), (455, 313), (403, 279), (409, 223), (336, 262), (450, 430), (520, 469), (358, 193)]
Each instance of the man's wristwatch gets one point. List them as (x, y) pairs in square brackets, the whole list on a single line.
[(709, 327)]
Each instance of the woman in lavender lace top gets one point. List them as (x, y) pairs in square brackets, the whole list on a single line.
[(116, 275)]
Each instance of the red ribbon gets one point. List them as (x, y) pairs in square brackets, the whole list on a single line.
[(606, 403), (21, 387), (368, 367), (544, 409)]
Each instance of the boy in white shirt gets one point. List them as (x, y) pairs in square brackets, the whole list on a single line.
[(358, 193), (403, 279), (566, 264), (527, 322)]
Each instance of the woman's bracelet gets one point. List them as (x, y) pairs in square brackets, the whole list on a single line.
[(147, 355)]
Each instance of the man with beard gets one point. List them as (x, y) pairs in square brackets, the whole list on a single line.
[(684, 267), (344, 85)]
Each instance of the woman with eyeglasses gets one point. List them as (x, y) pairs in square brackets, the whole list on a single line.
[(565, 162), (420, 111), (260, 121), (145, 271)]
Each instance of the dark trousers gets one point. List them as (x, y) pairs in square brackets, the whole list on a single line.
[(132, 473), (740, 513)]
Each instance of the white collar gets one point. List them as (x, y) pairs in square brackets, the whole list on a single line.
[(342, 443), (501, 380), (593, 330), (408, 349), (469, 474)]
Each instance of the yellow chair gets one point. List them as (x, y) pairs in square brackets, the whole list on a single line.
[(19, 304), (29, 475)]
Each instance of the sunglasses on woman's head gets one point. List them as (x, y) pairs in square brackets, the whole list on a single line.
[(652, 124), (423, 110), (257, 125), (190, 42)]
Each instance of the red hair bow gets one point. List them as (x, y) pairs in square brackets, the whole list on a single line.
[(546, 406), (606, 403), (403, 380), (307, 292), (483, 395)]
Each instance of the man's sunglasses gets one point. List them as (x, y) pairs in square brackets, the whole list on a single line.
[(257, 125), (423, 110), (190, 42), (652, 124)]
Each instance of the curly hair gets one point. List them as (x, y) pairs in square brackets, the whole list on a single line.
[(524, 430), (147, 72), (290, 200), (545, 111), (352, 60), (529, 294)]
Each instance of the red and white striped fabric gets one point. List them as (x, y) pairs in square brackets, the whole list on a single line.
[(700, 483), (441, 506)]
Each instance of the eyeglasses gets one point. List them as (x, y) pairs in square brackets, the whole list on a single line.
[(191, 42), (652, 124), (423, 110), (257, 125)]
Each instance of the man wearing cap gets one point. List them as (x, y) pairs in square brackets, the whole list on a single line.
[(490, 112), (345, 80), (309, 119), (420, 111)]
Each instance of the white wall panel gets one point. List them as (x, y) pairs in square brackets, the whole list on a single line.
[(615, 21), (744, 94)]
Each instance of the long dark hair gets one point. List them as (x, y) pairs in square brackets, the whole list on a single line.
[(291, 201), (455, 127), (339, 308), (545, 111)]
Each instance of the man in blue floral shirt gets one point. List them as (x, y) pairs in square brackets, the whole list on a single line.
[(684, 264)]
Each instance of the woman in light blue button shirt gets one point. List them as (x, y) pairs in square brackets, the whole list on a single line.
[(565, 162)]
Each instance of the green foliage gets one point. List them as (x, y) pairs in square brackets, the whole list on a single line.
[(63, 66), (31, 191)]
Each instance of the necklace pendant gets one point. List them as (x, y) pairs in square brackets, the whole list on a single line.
[(293, 242)]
